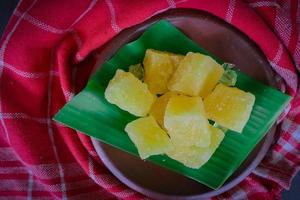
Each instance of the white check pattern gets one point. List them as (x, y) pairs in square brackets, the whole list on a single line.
[(282, 28)]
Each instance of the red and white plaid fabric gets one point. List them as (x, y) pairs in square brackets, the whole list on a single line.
[(46, 57)]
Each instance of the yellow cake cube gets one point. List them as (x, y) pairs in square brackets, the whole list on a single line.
[(196, 75), (186, 122), (230, 107), (195, 156), (159, 107), (129, 93), (148, 137), (159, 66)]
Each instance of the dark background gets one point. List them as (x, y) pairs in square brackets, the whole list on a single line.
[(8, 6)]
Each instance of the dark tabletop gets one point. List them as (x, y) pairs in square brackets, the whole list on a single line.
[(6, 9)]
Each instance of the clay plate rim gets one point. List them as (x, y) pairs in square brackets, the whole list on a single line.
[(132, 33)]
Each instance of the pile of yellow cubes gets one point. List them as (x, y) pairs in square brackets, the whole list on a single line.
[(175, 99)]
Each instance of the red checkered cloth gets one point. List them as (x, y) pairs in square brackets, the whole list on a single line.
[(46, 55)]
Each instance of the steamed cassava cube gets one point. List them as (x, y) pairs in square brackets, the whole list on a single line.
[(159, 66), (159, 107), (230, 107), (195, 156), (129, 93), (196, 75), (175, 58), (186, 122), (148, 137)]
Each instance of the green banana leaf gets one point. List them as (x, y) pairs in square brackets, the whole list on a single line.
[(90, 113)]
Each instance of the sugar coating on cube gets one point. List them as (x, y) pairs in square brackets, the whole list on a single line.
[(159, 107), (186, 122), (196, 75), (148, 137), (129, 93), (230, 107), (159, 66), (195, 156)]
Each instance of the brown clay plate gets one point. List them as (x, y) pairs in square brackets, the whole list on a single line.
[(227, 43)]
